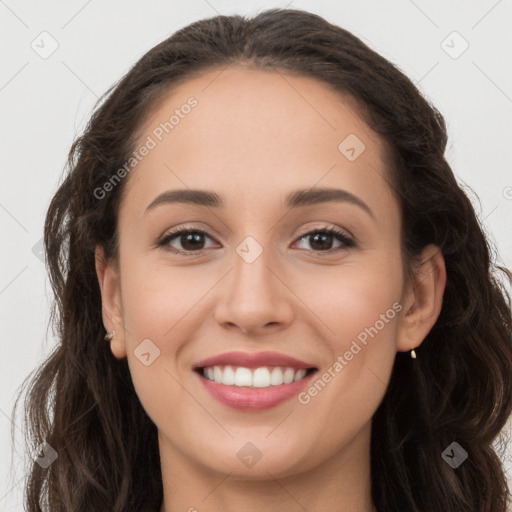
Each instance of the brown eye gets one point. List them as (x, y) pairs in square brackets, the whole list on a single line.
[(321, 240), (191, 240)]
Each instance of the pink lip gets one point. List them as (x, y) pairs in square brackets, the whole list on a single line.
[(255, 399), (253, 360)]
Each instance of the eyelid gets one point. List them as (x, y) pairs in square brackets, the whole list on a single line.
[(327, 227)]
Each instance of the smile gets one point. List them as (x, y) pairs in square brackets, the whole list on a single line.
[(253, 389)]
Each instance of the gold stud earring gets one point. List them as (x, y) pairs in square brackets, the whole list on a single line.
[(109, 336)]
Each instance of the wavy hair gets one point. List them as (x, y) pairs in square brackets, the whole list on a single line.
[(81, 399)]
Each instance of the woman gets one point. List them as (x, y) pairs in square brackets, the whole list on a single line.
[(272, 293)]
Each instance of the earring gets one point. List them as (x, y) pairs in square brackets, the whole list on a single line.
[(413, 353), (109, 336)]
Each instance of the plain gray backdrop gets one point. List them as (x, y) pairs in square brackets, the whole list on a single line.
[(59, 57)]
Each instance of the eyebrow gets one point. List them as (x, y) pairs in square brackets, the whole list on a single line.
[(295, 199)]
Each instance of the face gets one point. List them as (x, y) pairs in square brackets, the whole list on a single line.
[(257, 272)]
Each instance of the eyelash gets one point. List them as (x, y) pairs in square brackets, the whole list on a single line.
[(339, 235)]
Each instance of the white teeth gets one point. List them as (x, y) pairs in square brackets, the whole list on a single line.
[(229, 376), (258, 377), (261, 378), (243, 377), (288, 375), (299, 374), (276, 378), (217, 374)]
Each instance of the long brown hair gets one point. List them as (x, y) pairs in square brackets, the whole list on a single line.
[(82, 402)]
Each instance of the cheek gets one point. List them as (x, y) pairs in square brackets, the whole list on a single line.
[(157, 307), (360, 305), (157, 296), (348, 299), (360, 308), (154, 307)]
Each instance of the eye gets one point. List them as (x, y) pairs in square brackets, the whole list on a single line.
[(192, 240), (321, 238)]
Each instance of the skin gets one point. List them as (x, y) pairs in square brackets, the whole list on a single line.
[(254, 137)]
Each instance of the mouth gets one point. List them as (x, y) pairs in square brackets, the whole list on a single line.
[(253, 389)]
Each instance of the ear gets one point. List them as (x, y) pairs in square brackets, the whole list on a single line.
[(423, 299), (111, 306)]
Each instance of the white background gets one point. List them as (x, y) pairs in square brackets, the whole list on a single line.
[(46, 102)]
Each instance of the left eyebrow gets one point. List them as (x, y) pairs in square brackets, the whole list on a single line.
[(295, 199)]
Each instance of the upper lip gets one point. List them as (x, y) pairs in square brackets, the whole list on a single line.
[(255, 360)]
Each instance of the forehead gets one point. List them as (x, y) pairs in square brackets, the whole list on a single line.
[(253, 131)]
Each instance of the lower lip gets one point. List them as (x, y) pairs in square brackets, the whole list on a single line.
[(254, 399)]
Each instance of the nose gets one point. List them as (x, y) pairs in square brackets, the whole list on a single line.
[(255, 297)]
